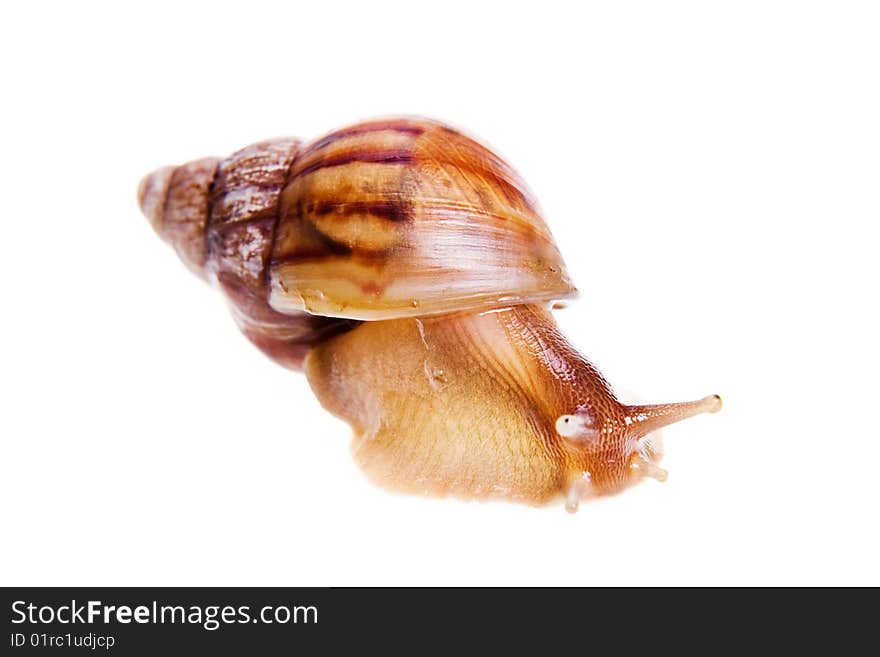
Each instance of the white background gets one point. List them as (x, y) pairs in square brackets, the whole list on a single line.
[(710, 171)]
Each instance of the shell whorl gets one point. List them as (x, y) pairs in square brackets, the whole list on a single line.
[(175, 200), (220, 216), (409, 217)]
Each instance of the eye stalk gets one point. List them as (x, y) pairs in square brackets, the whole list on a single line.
[(646, 419)]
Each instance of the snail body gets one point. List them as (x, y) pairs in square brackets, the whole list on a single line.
[(405, 268)]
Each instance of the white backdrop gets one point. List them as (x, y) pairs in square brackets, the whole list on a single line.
[(710, 171)]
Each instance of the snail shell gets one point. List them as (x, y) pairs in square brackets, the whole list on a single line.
[(406, 268)]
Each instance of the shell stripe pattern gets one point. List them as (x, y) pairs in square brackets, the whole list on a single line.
[(375, 215)]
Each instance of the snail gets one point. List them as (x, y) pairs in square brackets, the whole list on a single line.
[(404, 267)]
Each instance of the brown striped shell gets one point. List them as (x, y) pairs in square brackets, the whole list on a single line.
[(400, 218), (380, 220)]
